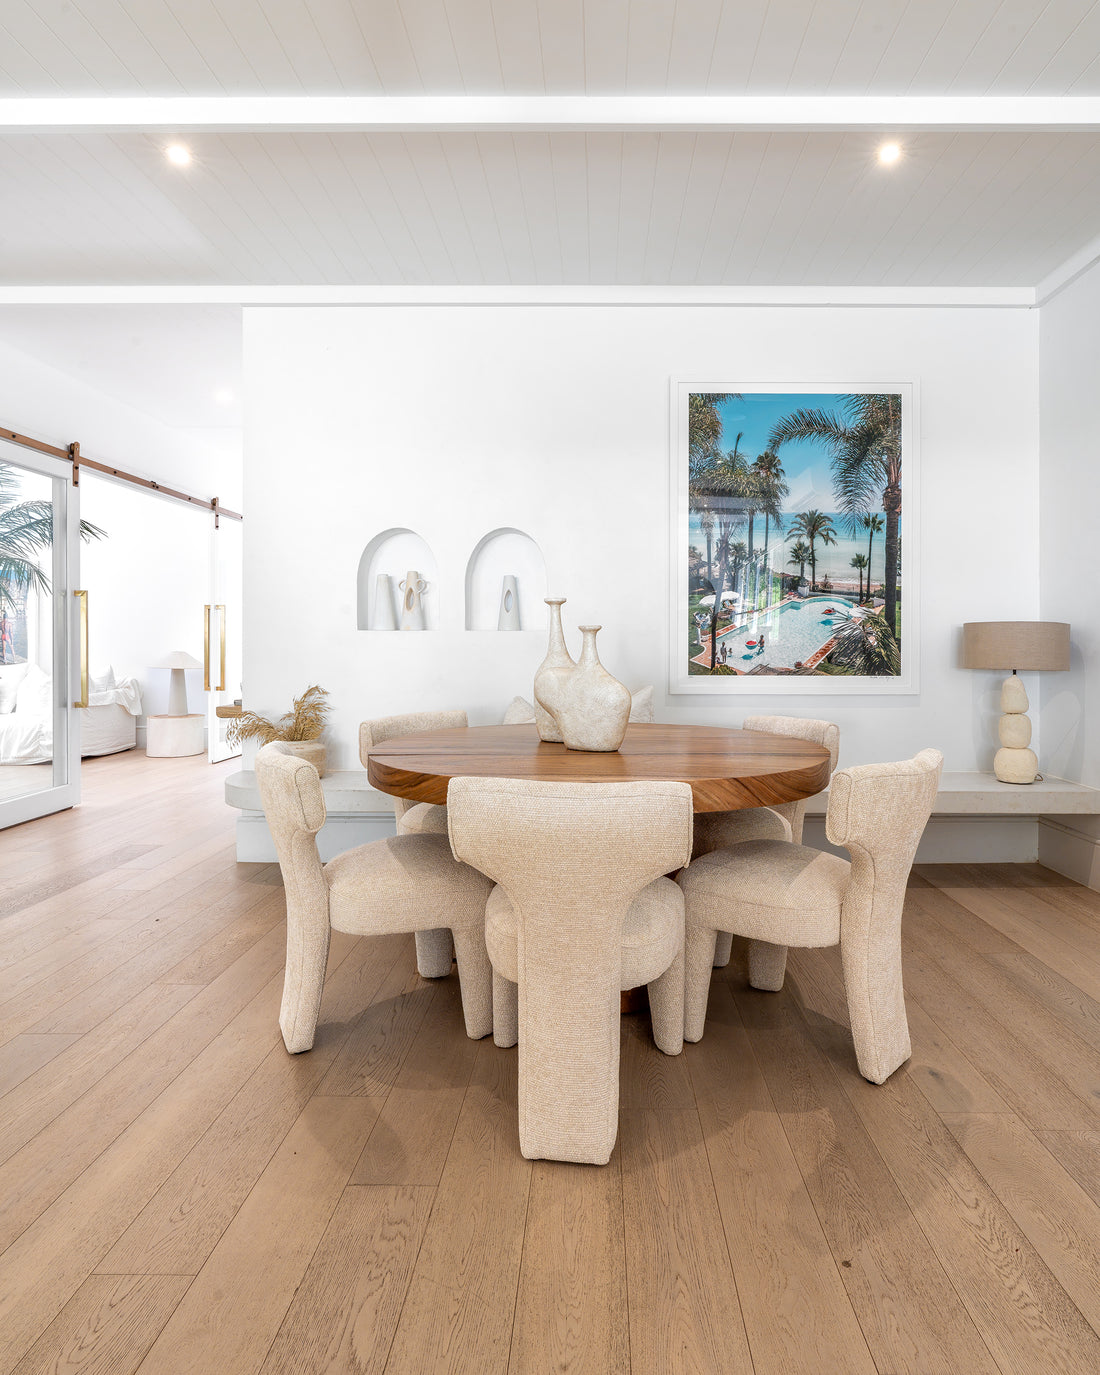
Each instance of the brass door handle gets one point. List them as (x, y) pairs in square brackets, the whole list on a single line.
[(83, 595), (221, 685)]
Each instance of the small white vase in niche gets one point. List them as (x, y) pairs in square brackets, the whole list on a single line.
[(413, 587), (557, 657), (592, 707), (384, 619), (509, 604)]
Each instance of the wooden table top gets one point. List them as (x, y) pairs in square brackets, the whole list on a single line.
[(727, 769)]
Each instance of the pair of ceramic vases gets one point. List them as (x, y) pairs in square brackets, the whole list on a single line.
[(578, 704)]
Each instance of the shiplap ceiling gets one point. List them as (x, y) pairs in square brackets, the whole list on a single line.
[(762, 206), (753, 209), (134, 47)]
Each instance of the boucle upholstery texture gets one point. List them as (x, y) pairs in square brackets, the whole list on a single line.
[(782, 895), (581, 907), (402, 883), (714, 830), (433, 948)]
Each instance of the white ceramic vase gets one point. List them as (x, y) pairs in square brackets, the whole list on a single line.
[(557, 658), (591, 707), (412, 588), (508, 619), (384, 619)]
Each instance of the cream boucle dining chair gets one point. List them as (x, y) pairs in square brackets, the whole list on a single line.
[(780, 894), (581, 911), (433, 948), (783, 821), (402, 883)]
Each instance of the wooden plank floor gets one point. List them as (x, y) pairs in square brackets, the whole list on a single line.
[(177, 1194)]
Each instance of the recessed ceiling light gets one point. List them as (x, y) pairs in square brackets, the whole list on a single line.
[(178, 154), (224, 396), (888, 153)]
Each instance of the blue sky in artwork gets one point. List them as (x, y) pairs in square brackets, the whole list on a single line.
[(806, 464)]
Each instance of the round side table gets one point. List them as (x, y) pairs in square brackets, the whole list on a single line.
[(171, 737)]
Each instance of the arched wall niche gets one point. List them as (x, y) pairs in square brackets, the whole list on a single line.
[(393, 554), (505, 552)]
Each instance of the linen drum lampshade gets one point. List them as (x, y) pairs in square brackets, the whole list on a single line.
[(1028, 645)]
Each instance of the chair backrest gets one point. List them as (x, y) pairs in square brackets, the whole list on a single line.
[(294, 806), (823, 733), (600, 842), (372, 733), (878, 812)]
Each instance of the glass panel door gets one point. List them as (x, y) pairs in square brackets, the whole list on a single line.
[(40, 623), (222, 638)]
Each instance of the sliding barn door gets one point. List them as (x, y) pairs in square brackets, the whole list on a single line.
[(43, 636), (222, 637)]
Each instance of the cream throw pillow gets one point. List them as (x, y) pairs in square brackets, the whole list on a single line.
[(11, 675), (520, 712)]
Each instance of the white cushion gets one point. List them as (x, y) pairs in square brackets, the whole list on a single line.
[(11, 675), (102, 682), (34, 697)]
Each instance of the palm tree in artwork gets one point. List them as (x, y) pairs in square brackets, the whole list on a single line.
[(716, 483), (860, 563), (772, 489), (813, 526), (865, 439), (800, 557), (872, 523), (866, 646)]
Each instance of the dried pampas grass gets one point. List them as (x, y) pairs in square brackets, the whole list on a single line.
[(305, 721)]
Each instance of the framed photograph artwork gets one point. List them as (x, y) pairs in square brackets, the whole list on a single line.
[(795, 545)]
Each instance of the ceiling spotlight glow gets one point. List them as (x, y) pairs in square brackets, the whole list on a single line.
[(224, 396), (889, 153), (178, 154)]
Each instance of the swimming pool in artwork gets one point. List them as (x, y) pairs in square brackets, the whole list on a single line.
[(792, 633)]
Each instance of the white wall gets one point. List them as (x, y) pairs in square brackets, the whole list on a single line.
[(1069, 500), (147, 583), (456, 420)]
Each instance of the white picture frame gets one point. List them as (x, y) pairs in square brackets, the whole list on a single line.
[(789, 618)]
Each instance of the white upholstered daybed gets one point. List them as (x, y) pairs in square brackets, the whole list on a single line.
[(107, 724)]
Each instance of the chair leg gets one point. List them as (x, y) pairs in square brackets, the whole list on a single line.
[(304, 981), (723, 949), (475, 980), (505, 1011), (698, 963), (433, 953), (876, 1007), (767, 965), (666, 1007)]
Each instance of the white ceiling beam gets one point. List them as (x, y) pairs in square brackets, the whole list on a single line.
[(409, 114), (870, 297)]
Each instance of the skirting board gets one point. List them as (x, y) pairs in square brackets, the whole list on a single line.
[(339, 833), (959, 840), (1071, 850)]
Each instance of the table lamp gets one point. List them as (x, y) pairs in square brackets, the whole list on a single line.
[(177, 661), (1015, 645)]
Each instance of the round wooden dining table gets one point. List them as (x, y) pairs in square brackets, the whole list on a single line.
[(727, 769)]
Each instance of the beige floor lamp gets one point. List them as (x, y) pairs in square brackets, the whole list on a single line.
[(1027, 645)]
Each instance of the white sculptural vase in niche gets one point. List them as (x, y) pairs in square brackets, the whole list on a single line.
[(557, 657), (591, 706), (1014, 762), (508, 619), (384, 618), (412, 588)]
